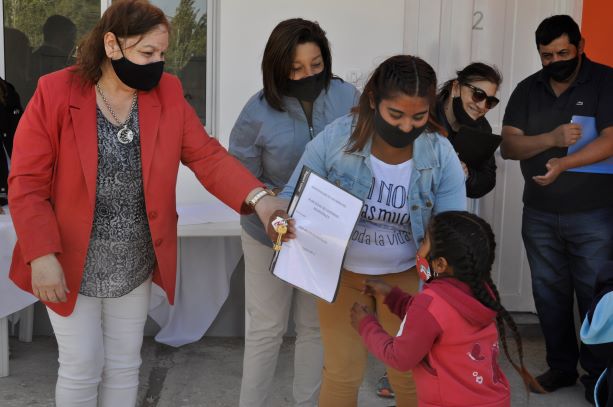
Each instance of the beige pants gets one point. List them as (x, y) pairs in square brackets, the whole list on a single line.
[(345, 355), (268, 301)]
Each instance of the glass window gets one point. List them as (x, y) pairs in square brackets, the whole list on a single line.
[(186, 56), (40, 37)]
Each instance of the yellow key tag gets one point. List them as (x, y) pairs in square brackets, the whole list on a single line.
[(280, 226)]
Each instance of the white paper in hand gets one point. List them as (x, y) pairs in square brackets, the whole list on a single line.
[(325, 216)]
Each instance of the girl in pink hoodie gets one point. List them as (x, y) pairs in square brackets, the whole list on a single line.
[(450, 331)]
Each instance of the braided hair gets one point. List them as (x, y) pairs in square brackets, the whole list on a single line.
[(397, 75), (468, 244)]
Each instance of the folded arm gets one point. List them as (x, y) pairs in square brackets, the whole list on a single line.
[(599, 149), (481, 180)]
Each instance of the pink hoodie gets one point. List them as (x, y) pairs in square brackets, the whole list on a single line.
[(449, 340)]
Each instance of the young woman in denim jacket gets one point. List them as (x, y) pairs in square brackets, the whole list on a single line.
[(389, 153), (300, 97)]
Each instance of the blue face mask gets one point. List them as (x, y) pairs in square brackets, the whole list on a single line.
[(392, 135)]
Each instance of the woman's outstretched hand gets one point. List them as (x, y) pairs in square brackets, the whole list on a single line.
[(376, 287), (291, 225)]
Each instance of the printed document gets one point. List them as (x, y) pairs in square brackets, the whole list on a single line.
[(325, 216)]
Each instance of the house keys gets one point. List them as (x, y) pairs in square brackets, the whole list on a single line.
[(280, 226)]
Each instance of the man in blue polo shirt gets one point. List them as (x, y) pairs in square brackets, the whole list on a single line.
[(567, 223)]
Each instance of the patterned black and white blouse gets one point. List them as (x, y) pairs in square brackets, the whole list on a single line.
[(120, 256)]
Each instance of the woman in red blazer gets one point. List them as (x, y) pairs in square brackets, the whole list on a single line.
[(92, 196)]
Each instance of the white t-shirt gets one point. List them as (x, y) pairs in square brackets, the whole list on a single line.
[(382, 241)]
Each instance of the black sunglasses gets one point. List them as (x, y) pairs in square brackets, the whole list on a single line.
[(479, 95)]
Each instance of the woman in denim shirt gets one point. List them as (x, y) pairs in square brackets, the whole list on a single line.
[(389, 153), (300, 97)]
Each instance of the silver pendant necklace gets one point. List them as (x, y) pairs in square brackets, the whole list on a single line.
[(125, 135)]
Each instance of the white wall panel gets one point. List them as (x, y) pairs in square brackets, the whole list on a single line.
[(451, 34), (361, 32), (455, 32), (423, 29)]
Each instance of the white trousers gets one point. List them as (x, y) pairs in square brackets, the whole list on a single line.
[(268, 301), (99, 350)]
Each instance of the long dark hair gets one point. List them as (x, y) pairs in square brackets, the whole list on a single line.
[(477, 71), (279, 54), (400, 74), (124, 18), (468, 244)]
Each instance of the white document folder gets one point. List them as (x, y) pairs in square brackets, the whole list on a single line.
[(325, 216)]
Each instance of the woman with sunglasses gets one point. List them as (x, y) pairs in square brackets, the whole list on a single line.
[(464, 101)]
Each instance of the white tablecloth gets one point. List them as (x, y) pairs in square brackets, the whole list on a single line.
[(12, 298), (208, 254), (203, 285)]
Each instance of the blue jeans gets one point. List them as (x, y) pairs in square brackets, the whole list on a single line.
[(565, 251)]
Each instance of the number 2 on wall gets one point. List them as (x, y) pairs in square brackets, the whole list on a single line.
[(478, 17)]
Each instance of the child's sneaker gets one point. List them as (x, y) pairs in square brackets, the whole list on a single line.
[(384, 389)]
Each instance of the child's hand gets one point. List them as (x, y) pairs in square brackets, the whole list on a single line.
[(358, 313), (375, 286)]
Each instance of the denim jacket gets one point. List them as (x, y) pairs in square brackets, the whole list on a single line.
[(437, 180), (270, 143)]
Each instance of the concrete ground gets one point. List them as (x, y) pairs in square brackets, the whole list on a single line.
[(208, 373)]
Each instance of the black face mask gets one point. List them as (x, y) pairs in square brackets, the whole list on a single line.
[(560, 71), (392, 135), (141, 77), (306, 89), (461, 116)]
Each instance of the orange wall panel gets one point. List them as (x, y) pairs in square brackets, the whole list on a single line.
[(597, 29)]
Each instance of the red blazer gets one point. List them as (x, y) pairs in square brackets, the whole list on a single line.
[(54, 168)]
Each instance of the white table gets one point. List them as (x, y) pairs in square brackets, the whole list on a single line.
[(208, 253)]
